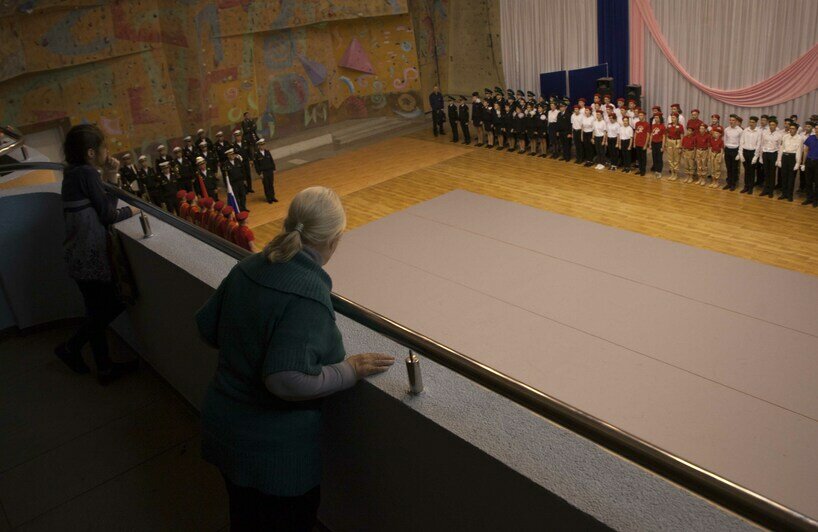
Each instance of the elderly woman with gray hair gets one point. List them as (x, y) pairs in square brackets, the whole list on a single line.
[(280, 352)]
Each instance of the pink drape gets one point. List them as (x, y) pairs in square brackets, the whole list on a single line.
[(797, 79)]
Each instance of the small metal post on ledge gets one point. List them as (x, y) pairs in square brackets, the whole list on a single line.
[(146, 225), (415, 377)]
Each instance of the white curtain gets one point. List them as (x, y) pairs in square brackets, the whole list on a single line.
[(540, 36), (728, 44)]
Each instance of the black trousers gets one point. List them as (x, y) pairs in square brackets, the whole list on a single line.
[(240, 192), (170, 203), (656, 157), (600, 150), (453, 125), (102, 306), (588, 146), (625, 152), (613, 153), (641, 158), (566, 145), (466, 135), (749, 169), (730, 161), (577, 134), (268, 181), (811, 176), (553, 145), (254, 511), (768, 160), (437, 123), (787, 175), (248, 176)]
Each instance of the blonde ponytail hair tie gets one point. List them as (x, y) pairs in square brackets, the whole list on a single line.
[(299, 227)]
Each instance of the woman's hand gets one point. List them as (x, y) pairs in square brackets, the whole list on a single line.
[(366, 364), (109, 170)]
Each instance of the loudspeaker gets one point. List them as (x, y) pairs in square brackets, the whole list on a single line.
[(604, 86), (634, 92)]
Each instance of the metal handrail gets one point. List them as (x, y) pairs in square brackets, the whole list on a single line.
[(18, 142), (730, 495)]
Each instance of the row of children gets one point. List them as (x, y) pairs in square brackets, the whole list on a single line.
[(607, 136), (216, 217)]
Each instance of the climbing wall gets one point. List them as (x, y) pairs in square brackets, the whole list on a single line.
[(151, 71)]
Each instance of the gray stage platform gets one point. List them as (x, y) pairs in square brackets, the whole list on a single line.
[(710, 357)]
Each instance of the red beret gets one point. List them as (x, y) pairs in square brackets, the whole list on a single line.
[(597, 95), (655, 107), (227, 211), (694, 111), (206, 202), (581, 100), (676, 105), (190, 196), (620, 99), (674, 113), (631, 100), (717, 117), (609, 106), (576, 107), (219, 205), (242, 215), (181, 194)]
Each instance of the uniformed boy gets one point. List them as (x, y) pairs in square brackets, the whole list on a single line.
[(265, 166), (453, 119), (477, 118), (463, 117)]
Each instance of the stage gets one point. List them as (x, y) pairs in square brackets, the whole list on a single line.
[(710, 357)]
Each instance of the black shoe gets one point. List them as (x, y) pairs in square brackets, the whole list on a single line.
[(743, 191), (782, 197), (789, 198), (466, 142), (642, 174), (544, 156), (806, 201), (74, 361), (733, 188), (499, 148), (725, 187), (489, 146), (479, 144), (626, 170), (116, 371), (533, 154)]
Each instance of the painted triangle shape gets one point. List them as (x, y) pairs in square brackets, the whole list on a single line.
[(314, 70), (355, 58)]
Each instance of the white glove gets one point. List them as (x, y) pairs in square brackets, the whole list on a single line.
[(778, 164), (755, 160), (796, 168), (803, 168), (738, 158)]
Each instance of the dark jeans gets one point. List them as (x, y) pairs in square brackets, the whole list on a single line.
[(102, 306), (600, 150), (732, 166), (641, 157), (588, 146), (625, 153), (656, 157), (577, 134), (254, 511), (787, 175), (613, 153), (768, 159)]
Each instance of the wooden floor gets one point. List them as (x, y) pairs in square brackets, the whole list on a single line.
[(394, 174)]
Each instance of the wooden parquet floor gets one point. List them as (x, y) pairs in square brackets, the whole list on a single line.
[(394, 174)]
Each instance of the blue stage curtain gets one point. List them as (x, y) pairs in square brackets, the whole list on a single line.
[(582, 82), (613, 41), (553, 84)]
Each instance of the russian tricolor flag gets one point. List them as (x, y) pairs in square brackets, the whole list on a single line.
[(231, 198)]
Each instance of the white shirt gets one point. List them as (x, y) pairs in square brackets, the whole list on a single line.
[(600, 127), (625, 133), (553, 114), (683, 122), (791, 144), (750, 139), (613, 129), (732, 137), (576, 121), (587, 124), (770, 141)]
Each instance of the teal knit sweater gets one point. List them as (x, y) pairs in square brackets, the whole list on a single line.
[(266, 318)]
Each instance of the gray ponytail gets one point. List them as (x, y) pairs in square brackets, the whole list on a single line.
[(316, 216)]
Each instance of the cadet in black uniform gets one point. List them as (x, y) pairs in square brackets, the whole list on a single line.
[(234, 171), (477, 118), (530, 128), (265, 165), (189, 150), (161, 157), (147, 176), (453, 120), (127, 174), (250, 130), (167, 187), (221, 146), (209, 156), (242, 150), (518, 128), (463, 117), (542, 126), (564, 130), (200, 136), (208, 178), (507, 127), (183, 169)]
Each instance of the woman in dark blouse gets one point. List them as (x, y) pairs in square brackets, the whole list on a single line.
[(88, 211), (280, 352)]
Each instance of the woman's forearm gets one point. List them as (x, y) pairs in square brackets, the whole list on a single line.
[(298, 386)]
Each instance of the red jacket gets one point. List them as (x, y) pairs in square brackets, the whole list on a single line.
[(701, 140), (675, 131), (694, 124), (716, 144)]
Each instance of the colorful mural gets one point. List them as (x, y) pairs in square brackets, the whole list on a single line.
[(150, 71)]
